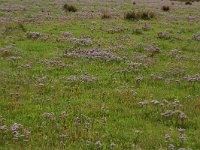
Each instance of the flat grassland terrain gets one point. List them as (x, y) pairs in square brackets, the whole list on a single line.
[(92, 76)]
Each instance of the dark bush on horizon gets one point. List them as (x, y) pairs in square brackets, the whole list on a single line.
[(137, 15), (106, 15), (188, 3), (165, 8), (69, 8)]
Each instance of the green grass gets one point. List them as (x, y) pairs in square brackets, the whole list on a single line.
[(93, 115)]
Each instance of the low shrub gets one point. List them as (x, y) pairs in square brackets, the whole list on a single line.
[(188, 3), (106, 15), (151, 14), (131, 15), (136, 15), (145, 15), (165, 8), (22, 27), (69, 8)]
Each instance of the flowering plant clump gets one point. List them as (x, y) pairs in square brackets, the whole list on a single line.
[(92, 53)]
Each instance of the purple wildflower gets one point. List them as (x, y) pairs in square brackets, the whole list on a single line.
[(168, 113), (16, 127), (98, 144), (144, 103)]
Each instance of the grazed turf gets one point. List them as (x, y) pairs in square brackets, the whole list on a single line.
[(77, 81)]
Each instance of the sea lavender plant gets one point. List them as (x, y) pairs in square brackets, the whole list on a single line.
[(143, 103), (34, 35), (168, 113)]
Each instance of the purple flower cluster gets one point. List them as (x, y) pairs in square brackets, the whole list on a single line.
[(153, 50), (98, 144), (117, 30), (7, 51), (25, 66), (33, 35), (55, 63), (15, 58), (156, 77), (196, 36), (50, 116), (67, 35), (172, 109), (193, 78), (86, 14), (138, 79), (170, 113), (139, 132), (144, 59), (92, 53), (177, 72), (143, 103), (16, 127), (182, 138), (164, 35), (84, 78), (19, 131), (3, 128), (81, 41)]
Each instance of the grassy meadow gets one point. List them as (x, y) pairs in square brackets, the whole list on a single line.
[(99, 74)]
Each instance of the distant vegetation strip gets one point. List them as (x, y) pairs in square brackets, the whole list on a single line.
[(187, 0)]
